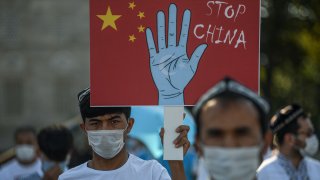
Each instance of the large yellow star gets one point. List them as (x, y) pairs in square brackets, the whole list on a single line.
[(109, 19), (132, 38), (141, 28), (132, 5), (141, 15)]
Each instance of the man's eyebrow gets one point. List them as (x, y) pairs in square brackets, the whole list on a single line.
[(93, 120), (214, 131), (242, 129), (114, 117)]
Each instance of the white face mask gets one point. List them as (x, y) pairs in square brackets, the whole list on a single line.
[(231, 163), (25, 152), (312, 145), (106, 143)]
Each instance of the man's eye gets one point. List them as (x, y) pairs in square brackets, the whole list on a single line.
[(115, 121), (94, 124), (215, 133), (243, 132)]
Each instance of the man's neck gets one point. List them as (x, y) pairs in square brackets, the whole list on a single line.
[(293, 156), (99, 163)]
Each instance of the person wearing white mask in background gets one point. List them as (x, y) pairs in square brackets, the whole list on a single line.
[(55, 143), (231, 131), (295, 139), (107, 129), (26, 161)]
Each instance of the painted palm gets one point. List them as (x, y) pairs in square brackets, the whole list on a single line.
[(171, 67)]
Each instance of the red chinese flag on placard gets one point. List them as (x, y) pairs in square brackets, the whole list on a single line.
[(170, 52)]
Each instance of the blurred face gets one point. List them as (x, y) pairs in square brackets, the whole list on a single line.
[(26, 138), (107, 133), (305, 131), (231, 139), (230, 124), (296, 141), (26, 147)]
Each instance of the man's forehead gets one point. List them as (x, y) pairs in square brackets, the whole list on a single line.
[(238, 112), (107, 116), (218, 105), (26, 135)]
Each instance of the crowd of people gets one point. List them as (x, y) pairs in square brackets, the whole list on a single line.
[(235, 140)]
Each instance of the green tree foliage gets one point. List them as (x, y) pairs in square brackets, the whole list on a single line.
[(290, 54)]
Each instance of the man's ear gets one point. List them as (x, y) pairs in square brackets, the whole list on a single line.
[(130, 124), (198, 147), (267, 139)]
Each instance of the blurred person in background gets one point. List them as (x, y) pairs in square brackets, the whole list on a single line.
[(138, 148), (26, 161), (55, 144), (231, 131), (107, 129), (296, 142)]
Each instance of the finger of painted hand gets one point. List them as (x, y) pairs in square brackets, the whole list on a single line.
[(185, 28), (172, 36), (161, 31), (182, 142), (182, 128), (196, 56), (150, 42), (181, 135)]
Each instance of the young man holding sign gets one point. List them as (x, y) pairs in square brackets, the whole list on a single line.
[(107, 129)]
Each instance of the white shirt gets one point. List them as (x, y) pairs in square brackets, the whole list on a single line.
[(13, 170), (270, 169), (202, 173), (134, 168)]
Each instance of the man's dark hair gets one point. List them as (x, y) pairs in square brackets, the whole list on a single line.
[(55, 142), (229, 97), (25, 129), (89, 112), (286, 121)]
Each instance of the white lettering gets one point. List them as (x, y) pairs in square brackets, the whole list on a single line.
[(230, 11), (242, 40), (228, 36), (218, 41), (208, 4), (195, 31), (210, 33), (241, 6), (226, 12), (223, 37)]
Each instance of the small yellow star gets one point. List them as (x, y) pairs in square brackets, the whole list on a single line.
[(141, 15), (109, 19), (141, 28), (132, 38), (132, 5)]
